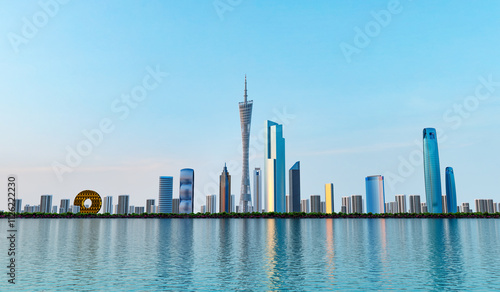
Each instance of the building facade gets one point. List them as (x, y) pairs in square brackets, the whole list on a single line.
[(294, 188), (46, 204), (211, 205), (186, 191), (432, 174), (175, 206), (315, 204), (401, 203), (329, 205), (375, 194), (150, 206), (357, 204), (451, 192), (257, 190), (224, 191), (108, 205), (274, 168), (165, 194), (346, 205), (414, 203), (123, 204)]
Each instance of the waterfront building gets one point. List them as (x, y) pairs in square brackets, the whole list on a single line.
[(108, 205), (357, 204), (18, 205), (423, 207), (211, 204), (465, 208), (237, 209), (257, 190), (415, 206), (304, 205), (46, 204), (186, 191), (294, 187), (131, 209), (315, 204), (375, 194), (388, 207), (432, 172), (245, 120), (443, 202), (401, 202), (139, 210), (274, 168), (451, 191), (233, 203), (175, 206), (54, 209), (224, 191), (346, 204), (123, 204), (329, 192), (203, 209), (150, 206), (323, 207), (165, 194), (75, 209), (490, 206)]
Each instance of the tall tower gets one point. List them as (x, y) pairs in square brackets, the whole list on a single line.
[(329, 198), (165, 194), (375, 194), (432, 173), (451, 192), (274, 168), (257, 190), (245, 119), (294, 187), (225, 191), (186, 191)]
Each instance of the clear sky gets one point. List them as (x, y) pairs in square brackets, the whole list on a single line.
[(353, 83)]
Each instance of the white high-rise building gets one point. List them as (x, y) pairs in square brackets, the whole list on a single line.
[(274, 168), (150, 206), (415, 206), (211, 204), (108, 205), (401, 202), (346, 205)]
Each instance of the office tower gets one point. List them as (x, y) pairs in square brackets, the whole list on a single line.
[(423, 207), (46, 203), (211, 204), (203, 209), (175, 206), (186, 191), (139, 210), (451, 192), (233, 203), (304, 205), (443, 204), (315, 203), (357, 203), (18, 206), (294, 187), (480, 205), (415, 206), (432, 173), (165, 194), (346, 203), (329, 191), (274, 168), (150, 206), (465, 208), (245, 119), (224, 191), (257, 190), (489, 204), (375, 194), (401, 202), (123, 204), (323, 207), (108, 205), (131, 209), (54, 209)]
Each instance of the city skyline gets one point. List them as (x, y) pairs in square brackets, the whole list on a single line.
[(355, 116)]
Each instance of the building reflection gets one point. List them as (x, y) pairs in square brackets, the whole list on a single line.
[(330, 249), (275, 261), (225, 250)]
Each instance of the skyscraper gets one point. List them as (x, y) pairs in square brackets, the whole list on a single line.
[(294, 187), (257, 190), (18, 206), (415, 206), (375, 194), (357, 204), (401, 202), (245, 119), (186, 191), (46, 204), (64, 207), (443, 204), (346, 205), (165, 194), (123, 204), (108, 205), (329, 198), (315, 203), (304, 205), (451, 192), (224, 191), (274, 168), (150, 206), (211, 204), (432, 173)]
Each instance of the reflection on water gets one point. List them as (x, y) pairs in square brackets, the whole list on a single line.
[(256, 254)]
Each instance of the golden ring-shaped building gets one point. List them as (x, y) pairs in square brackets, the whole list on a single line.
[(93, 196)]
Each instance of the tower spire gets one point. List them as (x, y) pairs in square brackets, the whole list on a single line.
[(245, 89)]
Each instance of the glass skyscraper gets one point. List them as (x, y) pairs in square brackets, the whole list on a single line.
[(451, 192), (165, 194), (186, 191), (224, 191), (375, 194), (294, 188), (432, 173), (274, 168), (245, 119), (329, 198)]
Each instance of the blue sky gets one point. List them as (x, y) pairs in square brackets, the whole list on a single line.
[(345, 116)]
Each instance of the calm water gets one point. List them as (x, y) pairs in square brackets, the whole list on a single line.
[(254, 254)]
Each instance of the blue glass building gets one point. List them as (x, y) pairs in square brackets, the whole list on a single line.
[(165, 194), (186, 191), (375, 194), (274, 168), (432, 173), (451, 192)]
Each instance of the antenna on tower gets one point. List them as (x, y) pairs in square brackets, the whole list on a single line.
[(245, 89)]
